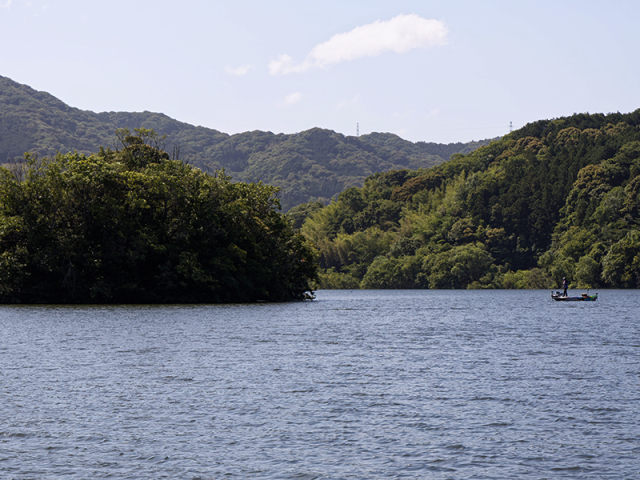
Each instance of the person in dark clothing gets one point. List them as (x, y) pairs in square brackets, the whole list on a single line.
[(565, 285)]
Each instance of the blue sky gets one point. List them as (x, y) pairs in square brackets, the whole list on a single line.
[(435, 71)]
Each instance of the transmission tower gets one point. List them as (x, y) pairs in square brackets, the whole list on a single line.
[(357, 129)]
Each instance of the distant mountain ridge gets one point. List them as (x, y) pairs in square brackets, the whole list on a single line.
[(314, 164)]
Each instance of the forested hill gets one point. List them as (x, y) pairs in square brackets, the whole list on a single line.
[(557, 198), (314, 164)]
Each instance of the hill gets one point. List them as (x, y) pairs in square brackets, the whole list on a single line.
[(312, 165), (557, 198)]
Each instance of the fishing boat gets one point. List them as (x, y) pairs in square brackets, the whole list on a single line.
[(585, 297)]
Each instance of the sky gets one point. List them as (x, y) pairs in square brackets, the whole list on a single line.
[(435, 71)]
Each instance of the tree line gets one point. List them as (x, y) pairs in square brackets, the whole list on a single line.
[(133, 225), (315, 164), (557, 198)]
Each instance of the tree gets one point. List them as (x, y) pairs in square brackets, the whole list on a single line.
[(134, 226), (621, 266), (552, 200)]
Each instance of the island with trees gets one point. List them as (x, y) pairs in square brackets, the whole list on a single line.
[(133, 225)]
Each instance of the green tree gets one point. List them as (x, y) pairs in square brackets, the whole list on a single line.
[(385, 272), (134, 226), (587, 272), (457, 267), (621, 266)]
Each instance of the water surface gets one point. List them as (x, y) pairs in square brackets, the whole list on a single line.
[(353, 385)]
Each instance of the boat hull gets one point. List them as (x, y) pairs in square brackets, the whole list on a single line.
[(582, 298)]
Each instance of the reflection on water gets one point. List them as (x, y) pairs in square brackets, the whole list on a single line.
[(356, 384)]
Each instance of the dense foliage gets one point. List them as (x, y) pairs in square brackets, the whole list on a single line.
[(558, 198), (134, 226), (312, 165)]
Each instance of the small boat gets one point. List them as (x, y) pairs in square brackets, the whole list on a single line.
[(585, 297)]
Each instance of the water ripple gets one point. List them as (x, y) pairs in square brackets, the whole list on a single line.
[(363, 384)]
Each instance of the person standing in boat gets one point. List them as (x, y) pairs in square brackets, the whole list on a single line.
[(565, 285)]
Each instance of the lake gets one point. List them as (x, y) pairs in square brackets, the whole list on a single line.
[(353, 385)]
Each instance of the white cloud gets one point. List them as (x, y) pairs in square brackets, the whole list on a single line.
[(239, 71), (7, 4), (353, 101), (293, 98), (399, 35), (285, 64)]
